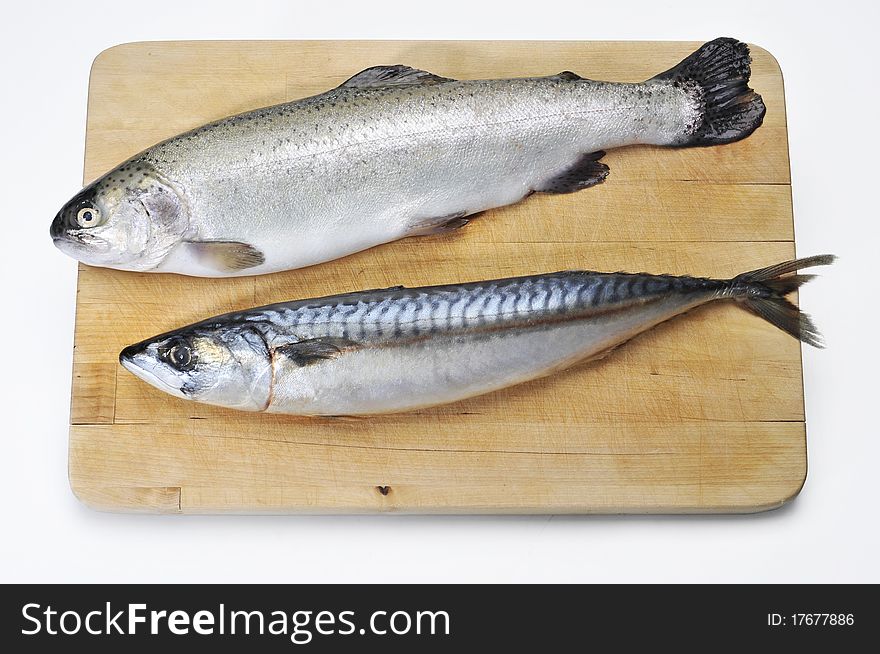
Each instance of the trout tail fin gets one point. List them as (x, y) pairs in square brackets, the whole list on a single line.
[(763, 293), (719, 74)]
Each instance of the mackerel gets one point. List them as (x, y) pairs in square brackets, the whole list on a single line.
[(400, 349)]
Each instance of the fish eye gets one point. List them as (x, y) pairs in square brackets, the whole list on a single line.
[(180, 355), (88, 216)]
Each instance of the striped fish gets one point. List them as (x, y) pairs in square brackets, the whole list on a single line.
[(398, 349)]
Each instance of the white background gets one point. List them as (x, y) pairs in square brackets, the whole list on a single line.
[(829, 58)]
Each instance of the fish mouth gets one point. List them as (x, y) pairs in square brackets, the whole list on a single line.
[(138, 362), (57, 229), (128, 354), (82, 247), (61, 231), (71, 246)]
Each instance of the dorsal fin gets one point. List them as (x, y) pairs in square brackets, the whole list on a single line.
[(567, 76), (382, 76)]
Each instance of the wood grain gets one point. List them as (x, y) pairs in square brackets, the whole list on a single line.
[(703, 414)]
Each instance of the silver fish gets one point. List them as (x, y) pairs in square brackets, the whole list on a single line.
[(400, 349), (392, 152)]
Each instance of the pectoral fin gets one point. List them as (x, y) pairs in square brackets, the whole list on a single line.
[(226, 256), (314, 350)]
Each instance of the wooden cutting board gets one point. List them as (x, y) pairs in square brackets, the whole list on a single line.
[(703, 414)]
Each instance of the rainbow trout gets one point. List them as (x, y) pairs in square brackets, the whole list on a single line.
[(392, 152)]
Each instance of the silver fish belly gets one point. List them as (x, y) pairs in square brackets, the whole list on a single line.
[(445, 345), (402, 349), (393, 152)]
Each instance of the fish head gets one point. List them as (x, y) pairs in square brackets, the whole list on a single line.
[(130, 219), (223, 364)]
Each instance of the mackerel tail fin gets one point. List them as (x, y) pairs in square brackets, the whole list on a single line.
[(763, 293), (719, 74)]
